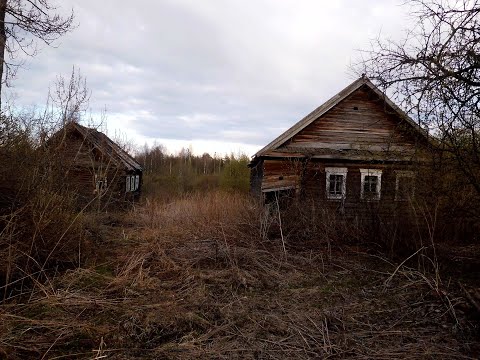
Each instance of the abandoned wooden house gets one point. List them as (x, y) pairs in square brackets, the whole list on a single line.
[(357, 148), (94, 166)]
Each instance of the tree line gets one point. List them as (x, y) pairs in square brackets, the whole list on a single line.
[(173, 174)]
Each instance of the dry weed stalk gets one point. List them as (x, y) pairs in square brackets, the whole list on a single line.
[(194, 280), (416, 276)]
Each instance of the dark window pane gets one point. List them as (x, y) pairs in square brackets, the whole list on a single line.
[(370, 185), (336, 184)]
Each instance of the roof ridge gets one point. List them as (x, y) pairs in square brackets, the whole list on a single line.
[(329, 104), (101, 141)]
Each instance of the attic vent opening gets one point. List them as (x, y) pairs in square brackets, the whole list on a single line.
[(355, 108), (280, 178)]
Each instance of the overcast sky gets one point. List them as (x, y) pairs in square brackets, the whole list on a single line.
[(217, 75)]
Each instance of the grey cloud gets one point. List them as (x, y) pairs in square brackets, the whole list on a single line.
[(232, 71)]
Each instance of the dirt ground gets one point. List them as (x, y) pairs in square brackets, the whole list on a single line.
[(160, 289)]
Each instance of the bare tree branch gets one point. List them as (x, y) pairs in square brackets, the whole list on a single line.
[(434, 73), (22, 21)]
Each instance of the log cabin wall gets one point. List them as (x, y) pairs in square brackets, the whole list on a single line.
[(281, 174), (80, 166), (308, 178), (315, 182)]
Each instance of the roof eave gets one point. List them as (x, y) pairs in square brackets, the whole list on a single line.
[(315, 114), (119, 159), (329, 104)]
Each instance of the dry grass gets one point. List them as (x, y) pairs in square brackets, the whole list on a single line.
[(195, 279), (44, 233)]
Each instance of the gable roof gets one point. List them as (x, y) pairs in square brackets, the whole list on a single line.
[(105, 145), (332, 102)]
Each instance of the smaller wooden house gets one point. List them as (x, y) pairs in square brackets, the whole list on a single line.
[(355, 150), (94, 166)]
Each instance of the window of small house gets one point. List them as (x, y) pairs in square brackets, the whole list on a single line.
[(132, 183), (137, 182), (127, 183), (404, 185), (336, 184), (100, 184), (371, 185)]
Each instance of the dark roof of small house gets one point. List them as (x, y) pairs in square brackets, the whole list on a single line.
[(332, 102), (106, 146)]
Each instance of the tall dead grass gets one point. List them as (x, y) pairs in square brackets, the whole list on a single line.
[(43, 235), (210, 215), (218, 289), (193, 278)]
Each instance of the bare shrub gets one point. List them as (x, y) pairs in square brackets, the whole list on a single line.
[(40, 225), (306, 224)]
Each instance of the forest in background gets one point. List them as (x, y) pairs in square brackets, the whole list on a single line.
[(166, 174)]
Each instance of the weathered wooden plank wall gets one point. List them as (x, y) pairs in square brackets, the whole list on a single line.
[(279, 174), (361, 121), (359, 132)]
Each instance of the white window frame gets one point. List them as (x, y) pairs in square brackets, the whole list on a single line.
[(378, 190), (403, 174), (132, 183), (336, 171), (137, 182), (127, 183), (100, 184)]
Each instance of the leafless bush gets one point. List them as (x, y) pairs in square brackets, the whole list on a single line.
[(40, 225), (305, 224)]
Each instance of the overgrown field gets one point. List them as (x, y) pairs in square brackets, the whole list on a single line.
[(201, 277)]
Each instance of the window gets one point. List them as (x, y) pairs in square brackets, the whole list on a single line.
[(371, 184), (336, 185), (137, 181), (405, 185), (132, 183), (100, 184), (127, 188)]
